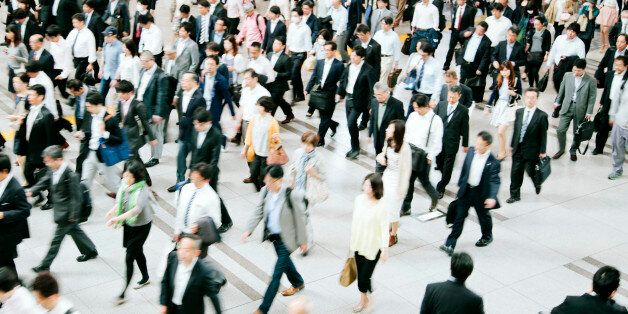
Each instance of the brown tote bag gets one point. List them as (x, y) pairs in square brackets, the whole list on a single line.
[(349, 272)]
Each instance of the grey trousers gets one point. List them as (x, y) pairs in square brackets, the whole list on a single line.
[(91, 166), (83, 243), (341, 41), (561, 132), (158, 129), (619, 139)]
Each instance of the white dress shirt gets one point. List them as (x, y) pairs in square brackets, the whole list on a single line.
[(577, 82), (326, 69), (340, 18), (125, 107), (248, 100), (354, 71), (97, 119), (23, 28), (63, 307), (83, 44), (49, 99), (129, 69), (417, 129), (472, 47), (425, 16), (61, 52), (181, 280), (390, 43), (477, 167), (30, 119), (234, 8), (563, 47), (56, 175), (299, 37), (151, 40), (146, 77), (55, 7), (185, 99), (432, 76), (200, 138), (204, 204), (497, 29), (262, 66), (273, 24), (21, 301), (459, 15)]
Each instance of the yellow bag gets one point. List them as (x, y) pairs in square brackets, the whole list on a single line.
[(349, 272)]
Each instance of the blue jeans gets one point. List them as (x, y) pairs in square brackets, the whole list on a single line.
[(284, 265), (104, 87), (184, 149)]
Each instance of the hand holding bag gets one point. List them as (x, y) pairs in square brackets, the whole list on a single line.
[(349, 273), (317, 190), (542, 170), (277, 156), (543, 82)]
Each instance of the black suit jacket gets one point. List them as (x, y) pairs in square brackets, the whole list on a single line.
[(468, 17), (605, 101), (14, 225), (65, 11), (535, 139), (41, 136), (517, 55), (97, 26), (115, 137), (457, 127), (31, 29), (489, 184), (363, 88), (219, 12), (120, 12), (221, 43), (283, 67), (605, 66), (209, 152), (394, 111), (331, 81), (588, 304), (466, 99), (615, 31), (46, 61), (67, 196), (313, 23), (204, 281), (269, 38), (185, 118), (156, 94), (450, 297), (482, 57), (135, 124), (373, 56)]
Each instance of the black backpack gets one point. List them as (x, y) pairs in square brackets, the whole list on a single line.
[(584, 133), (86, 204)]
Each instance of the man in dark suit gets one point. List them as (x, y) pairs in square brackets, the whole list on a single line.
[(118, 16), (62, 16), (384, 109), (14, 211), (310, 19), (94, 22), (451, 79), (606, 65), (529, 140), (509, 50), (462, 17), (183, 291), (31, 28), (325, 77), (219, 33), (478, 187), (190, 99), (205, 146), (282, 65), (34, 134), (613, 79), (373, 58), (216, 91), (274, 28), (605, 285), (356, 85), (67, 200), (474, 61), (41, 55), (455, 125), (452, 296), (153, 90), (132, 116), (217, 10)]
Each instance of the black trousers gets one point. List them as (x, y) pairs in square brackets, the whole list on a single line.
[(558, 29), (532, 69), (297, 80), (258, 171), (467, 71), (471, 198), (604, 129), (326, 122), (445, 162), (60, 83), (453, 42), (519, 165), (353, 111), (424, 178), (233, 25), (277, 97), (30, 168), (80, 64), (133, 240), (82, 241), (8, 252), (365, 269)]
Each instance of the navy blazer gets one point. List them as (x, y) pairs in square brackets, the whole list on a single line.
[(221, 96), (197, 28), (312, 22), (269, 38), (185, 118), (331, 81), (489, 184), (14, 225)]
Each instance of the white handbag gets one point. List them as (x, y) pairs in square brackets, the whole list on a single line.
[(316, 191)]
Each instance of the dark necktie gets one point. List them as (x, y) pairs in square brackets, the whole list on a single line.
[(524, 126), (420, 77), (187, 208)]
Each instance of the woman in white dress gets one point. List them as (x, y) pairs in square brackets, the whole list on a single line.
[(397, 157), (129, 68), (503, 103)]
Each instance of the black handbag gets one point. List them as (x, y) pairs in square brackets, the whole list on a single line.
[(208, 232), (542, 170), (535, 57), (405, 48), (475, 81), (419, 155), (584, 133), (321, 100), (451, 212), (543, 82)]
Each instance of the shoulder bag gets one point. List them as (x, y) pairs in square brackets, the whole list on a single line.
[(419, 155), (113, 154)]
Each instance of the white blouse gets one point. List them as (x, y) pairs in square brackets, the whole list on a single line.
[(369, 227), (129, 69)]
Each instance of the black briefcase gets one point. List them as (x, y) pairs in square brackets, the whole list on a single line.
[(452, 209), (321, 100), (584, 133), (419, 159), (543, 82), (542, 170), (405, 48)]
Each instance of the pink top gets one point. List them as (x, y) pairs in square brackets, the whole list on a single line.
[(253, 29)]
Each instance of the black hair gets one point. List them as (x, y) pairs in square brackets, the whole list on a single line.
[(144, 18), (580, 63), (33, 66), (281, 39), (625, 36), (202, 169), (130, 45), (38, 89), (5, 163), (377, 185), (513, 29), (90, 3), (275, 10), (327, 35), (461, 266), (215, 58), (486, 137), (575, 27), (250, 72), (17, 34), (533, 90), (498, 7), (204, 3), (359, 51), (256, 45), (184, 8), (484, 25), (298, 10), (427, 48), (79, 17), (397, 138), (421, 100), (363, 29), (606, 281), (308, 3), (267, 103), (20, 14), (275, 171), (187, 26), (136, 167), (53, 30), (74, 84), (212, 46), (45, 284), (8, 279), (623, 59), (201, 115), (333, 45), (387, 20), (125, 86), (94, 98)]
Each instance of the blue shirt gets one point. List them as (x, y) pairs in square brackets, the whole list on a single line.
[(79, 105), (218, 37), (111, 56), (274, 204)]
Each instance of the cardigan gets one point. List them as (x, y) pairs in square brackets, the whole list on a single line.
[(273, 128), (369, 227)]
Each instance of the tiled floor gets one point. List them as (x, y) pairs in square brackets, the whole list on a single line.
[(546, 246)]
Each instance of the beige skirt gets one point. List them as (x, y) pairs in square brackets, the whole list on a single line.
[(608, 16)]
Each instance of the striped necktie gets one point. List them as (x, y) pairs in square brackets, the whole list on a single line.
[(187, 208)]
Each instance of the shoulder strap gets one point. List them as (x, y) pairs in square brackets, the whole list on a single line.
[(429, 131)]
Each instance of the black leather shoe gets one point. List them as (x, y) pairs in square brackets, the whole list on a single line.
[(513, 199), (433, 205), (287, 120), (321, 143), (596, 152), (224, 227), (362, 127), (46, 206), (172, 189), (447, 249), (558, 155), (441, 195), (334, 128), (537, 189), (405, 212), (151, 163), (573, 157), (353, 154), (85, 258), (40, 268), (483, 242)]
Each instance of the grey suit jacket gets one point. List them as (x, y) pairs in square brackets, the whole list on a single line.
[(585, 97), (292, 220), (186, 61), (376, 20), (67, 195)]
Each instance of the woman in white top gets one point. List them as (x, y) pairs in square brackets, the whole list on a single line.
[(410, 69), (129, 68), (607, 19), (236, 64), (503, 100), (369, 234), (318, 49), (15, 52), (397, 158)]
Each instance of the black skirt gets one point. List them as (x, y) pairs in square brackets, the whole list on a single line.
[(135, 236)]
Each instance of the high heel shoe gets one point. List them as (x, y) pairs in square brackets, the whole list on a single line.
[(360, 307), (392, 240)]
